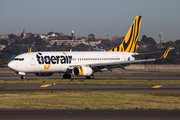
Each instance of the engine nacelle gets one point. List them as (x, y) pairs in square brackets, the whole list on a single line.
[(82, 71), (43, 74)]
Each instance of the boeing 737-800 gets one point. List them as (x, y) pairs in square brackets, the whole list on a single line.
[(81, 63)]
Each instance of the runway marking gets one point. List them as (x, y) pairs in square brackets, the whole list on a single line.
[(46, 85), (157, 86)]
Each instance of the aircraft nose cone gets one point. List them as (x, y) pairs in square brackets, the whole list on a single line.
[(12, 65)]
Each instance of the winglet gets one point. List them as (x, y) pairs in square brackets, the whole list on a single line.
[(165, 53), (30, 49)]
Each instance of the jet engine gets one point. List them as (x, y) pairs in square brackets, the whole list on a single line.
[(82, 71), (43, 74)]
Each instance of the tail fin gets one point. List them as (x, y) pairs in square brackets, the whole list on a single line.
[(129, 43)]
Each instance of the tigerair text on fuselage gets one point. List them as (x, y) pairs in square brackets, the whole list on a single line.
[(57, 59)]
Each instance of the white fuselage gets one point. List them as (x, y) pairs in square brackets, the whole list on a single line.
[(38, 62)]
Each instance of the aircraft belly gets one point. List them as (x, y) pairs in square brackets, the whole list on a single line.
[(51, 68)]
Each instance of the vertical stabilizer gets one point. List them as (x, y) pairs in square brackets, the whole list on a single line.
[(129, 43)]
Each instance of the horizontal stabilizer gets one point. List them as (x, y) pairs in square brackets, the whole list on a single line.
[(141, 54)]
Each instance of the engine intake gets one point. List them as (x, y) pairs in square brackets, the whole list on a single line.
[(82, 71)]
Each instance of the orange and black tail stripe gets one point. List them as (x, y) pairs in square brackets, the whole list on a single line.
[(129, 44)]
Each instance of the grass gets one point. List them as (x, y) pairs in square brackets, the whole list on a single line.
[(89, 100), (92, 81)]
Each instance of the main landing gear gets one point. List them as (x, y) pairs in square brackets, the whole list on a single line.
[(67, 76), (90, 77), (23, 77)]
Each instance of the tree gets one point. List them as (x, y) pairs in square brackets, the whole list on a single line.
[(151, 41), (144, 39), (39, 41), (168, 43), (4, 42), (140, 42), (12, 36), (148, 40), (50, 33), (91, 37), (177, 42), (106, 42), (116, 41), (81, 47), (18, 41), (27, 41)]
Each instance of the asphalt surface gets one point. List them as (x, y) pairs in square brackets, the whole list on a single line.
[(89, 115), (148, 89), (6, 114), (116, 74)]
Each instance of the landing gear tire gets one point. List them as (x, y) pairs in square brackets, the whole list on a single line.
[(23, 77), (90, 77), (67, 76)]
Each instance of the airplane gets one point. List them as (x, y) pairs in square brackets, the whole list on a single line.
[(82, 63)]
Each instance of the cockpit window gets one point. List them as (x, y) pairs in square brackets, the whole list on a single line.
[(20, 59)]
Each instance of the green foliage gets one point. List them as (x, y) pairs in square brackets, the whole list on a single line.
[(18, 41), (22, 46), (50, 33), (168, 43), (91, 37), (106, 42), (4, 42), (88, 100), (148, 40), (116, 41), (140, 43), (82, 47), (28, 41), (12, 36), (39, 42)]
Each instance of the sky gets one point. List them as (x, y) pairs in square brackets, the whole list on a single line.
[(99, 17)]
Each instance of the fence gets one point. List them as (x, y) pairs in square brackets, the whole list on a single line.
[(154, 66)]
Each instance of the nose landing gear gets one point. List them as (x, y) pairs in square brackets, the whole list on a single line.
[(22, 74)]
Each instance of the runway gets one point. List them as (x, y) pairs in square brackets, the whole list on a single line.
[(89, 115), (6, 74), (148, 89), (42, 114)]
